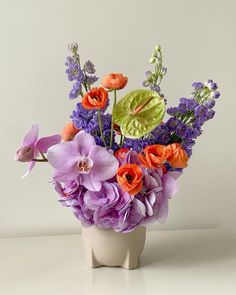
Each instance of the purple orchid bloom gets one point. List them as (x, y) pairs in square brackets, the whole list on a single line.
[(82, 159), (32, 146)]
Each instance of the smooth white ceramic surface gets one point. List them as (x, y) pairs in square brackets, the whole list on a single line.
[(173, 262), (105, 247)]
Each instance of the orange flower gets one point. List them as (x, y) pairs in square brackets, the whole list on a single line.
[(69, 132), (154, 156), (96, 98), (121, 153), (177, 158), (114, 81), (129, 177)]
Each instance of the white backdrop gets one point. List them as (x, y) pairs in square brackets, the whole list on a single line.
[(198, 40)]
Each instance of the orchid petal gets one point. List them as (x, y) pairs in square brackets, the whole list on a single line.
[(44, 143), (63, 156), (84, 142), (105, 164), (63, 176), (30, 167), (31, 136), (90, 183)]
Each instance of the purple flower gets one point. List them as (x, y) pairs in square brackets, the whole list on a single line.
[(198, 86), (89, 67), (32, 146), (210, 103), (75, 91), (212, 86), (91, 79), (215, 94), (155, 88), (108, 196), (159, 189), (74, 72), (82, 158), (172, 123), (130, 216), (210, 114)]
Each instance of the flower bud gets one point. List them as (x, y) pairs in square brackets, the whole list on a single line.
[(152, 60), (146, 83), (148, 74), (163, 71), (25, 154), (73, 47), (157, 47), (215, 94)]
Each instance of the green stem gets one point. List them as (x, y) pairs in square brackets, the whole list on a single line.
[(122, 138), (100, 128), (40, 160), (112, 120)]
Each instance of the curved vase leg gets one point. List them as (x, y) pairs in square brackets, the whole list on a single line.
[(131, 260)]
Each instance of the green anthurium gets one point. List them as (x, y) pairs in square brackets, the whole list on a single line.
[(139, 112)]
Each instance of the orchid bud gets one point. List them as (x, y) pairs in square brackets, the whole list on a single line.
[(25, 154)]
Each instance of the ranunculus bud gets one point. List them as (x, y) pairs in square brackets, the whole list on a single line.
[(25, 154)]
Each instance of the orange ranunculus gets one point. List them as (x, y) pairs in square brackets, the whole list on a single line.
[(69, 132), (178, 157), (121, 153), (114, 81), (96, 98), (154, 156), (129, 177)]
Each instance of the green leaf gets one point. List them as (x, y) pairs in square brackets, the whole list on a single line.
[(150, 112)]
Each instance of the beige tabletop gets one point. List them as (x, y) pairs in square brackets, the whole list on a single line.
[(173, 262)]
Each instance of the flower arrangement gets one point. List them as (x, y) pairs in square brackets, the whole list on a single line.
[(118, 170)]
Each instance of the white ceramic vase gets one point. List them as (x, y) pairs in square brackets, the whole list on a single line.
[(105, 247)]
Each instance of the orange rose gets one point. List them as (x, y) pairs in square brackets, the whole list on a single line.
[(121, 153), (129, 177), (177, 158), (154, 156), (114, 81), (69, 132), (96, 98)]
